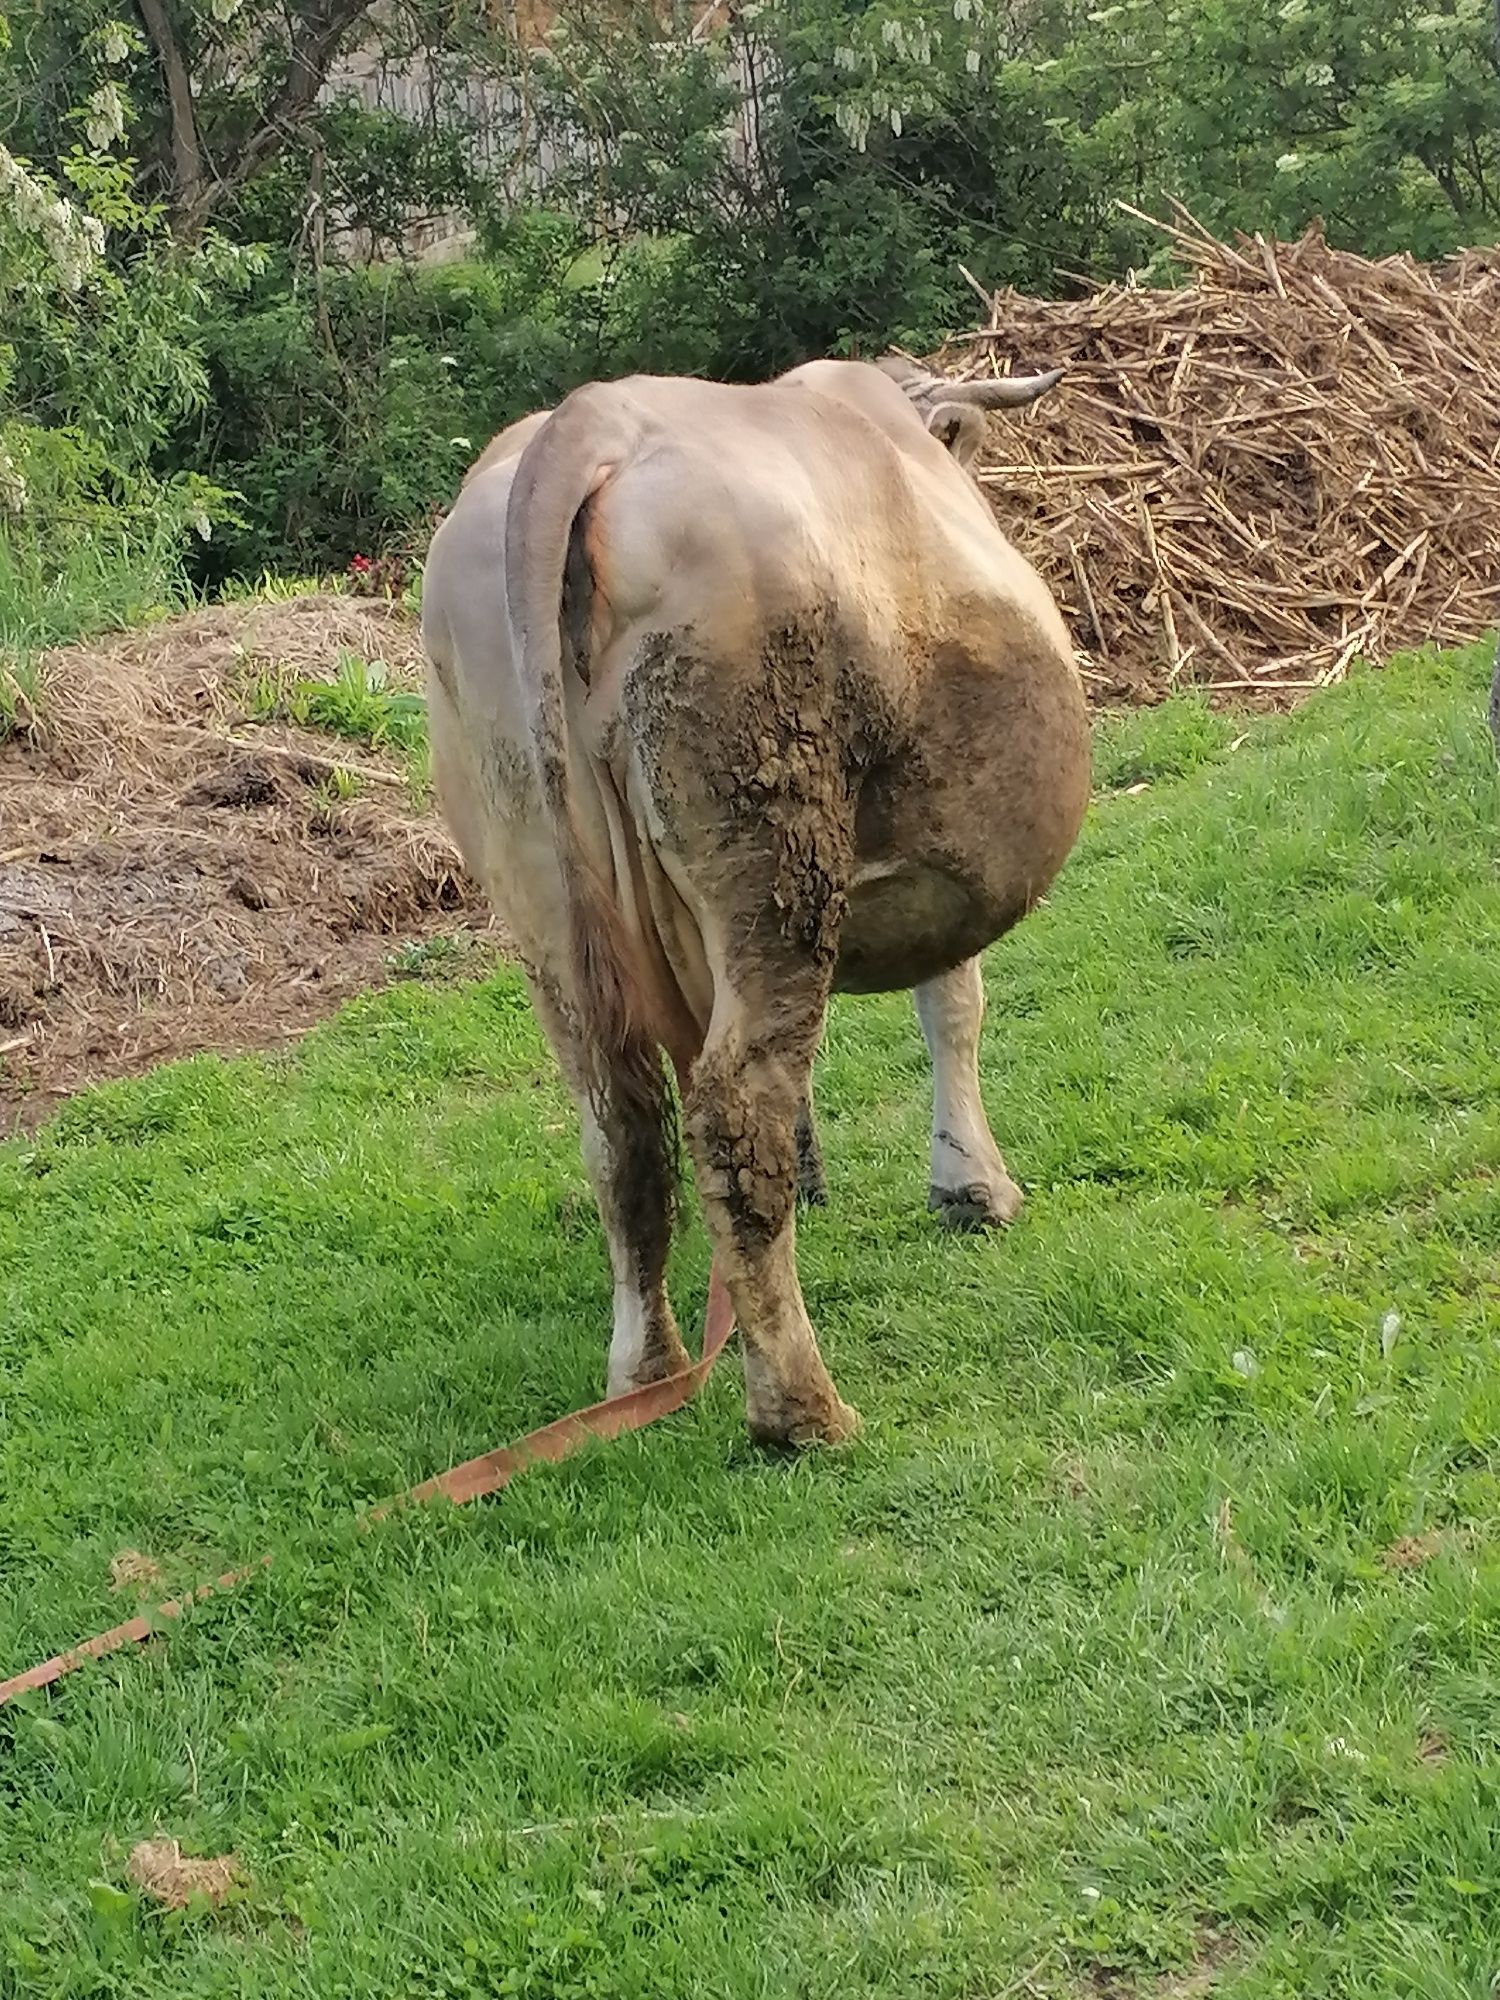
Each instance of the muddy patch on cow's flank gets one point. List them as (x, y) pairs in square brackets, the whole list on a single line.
[(182, 868)]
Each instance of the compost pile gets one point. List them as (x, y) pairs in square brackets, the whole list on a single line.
[(1249, 482), (180, 872)]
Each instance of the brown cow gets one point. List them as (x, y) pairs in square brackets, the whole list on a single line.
[(739, 698)]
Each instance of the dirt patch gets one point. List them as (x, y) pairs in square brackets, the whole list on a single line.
[(177, 876), (1412, 1551), (1195, 1982)]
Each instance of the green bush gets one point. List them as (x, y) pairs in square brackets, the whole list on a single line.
[(343, 412), (902, 141), (114, 566), (99, 364)]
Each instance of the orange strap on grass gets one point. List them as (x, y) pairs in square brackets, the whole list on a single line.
[(469, 1481)]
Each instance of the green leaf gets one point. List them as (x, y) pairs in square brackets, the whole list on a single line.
[(24, 1955), (351, 1742), (108, 1902)]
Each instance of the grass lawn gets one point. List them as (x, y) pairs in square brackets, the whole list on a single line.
[(1148, 1642)]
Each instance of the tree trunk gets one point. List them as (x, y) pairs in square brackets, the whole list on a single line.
[(182, 116), (318, 33)]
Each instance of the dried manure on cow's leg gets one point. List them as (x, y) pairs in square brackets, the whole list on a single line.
[(742, 1118), (760, 835), (970, 1187)]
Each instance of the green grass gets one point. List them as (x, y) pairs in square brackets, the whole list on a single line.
[(271, 586), (1089, 1652), (355, 704), (55, 588)]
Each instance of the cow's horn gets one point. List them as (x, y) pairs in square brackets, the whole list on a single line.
[(1002, 392)]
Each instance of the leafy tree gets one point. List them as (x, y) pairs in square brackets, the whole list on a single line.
[(1382, 117), (900, 140), (893, 148), (99, 355), (229, 114)]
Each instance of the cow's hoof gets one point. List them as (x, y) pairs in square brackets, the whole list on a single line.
[(831, 1421), (977, 1204)]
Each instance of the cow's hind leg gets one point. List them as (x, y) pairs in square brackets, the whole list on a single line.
[(744, 1096), (633, 1186), (743, 781), (489, 799), (970, 1187), (632, 1165)]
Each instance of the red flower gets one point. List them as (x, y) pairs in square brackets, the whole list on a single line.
[(361, 565)]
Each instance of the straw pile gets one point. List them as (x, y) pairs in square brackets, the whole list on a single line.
[(178, 874), (1246, 483)]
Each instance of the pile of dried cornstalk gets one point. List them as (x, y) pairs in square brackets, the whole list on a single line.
[(1246, 483)]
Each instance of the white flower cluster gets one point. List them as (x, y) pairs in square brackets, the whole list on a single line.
[(916, 43), (73, 241), (853, 120), (12, 485), (104, 118)]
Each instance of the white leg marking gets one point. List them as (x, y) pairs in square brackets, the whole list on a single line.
[(970, 1185), (632, 1317), (627, 1343)]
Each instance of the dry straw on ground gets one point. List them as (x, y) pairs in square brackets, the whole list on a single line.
[(175, 875), (160, 1870), (1248, 482)]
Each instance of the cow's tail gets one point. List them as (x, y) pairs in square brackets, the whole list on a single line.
[(548, 583)]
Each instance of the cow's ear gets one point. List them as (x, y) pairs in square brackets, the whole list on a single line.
[(960, 427)]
